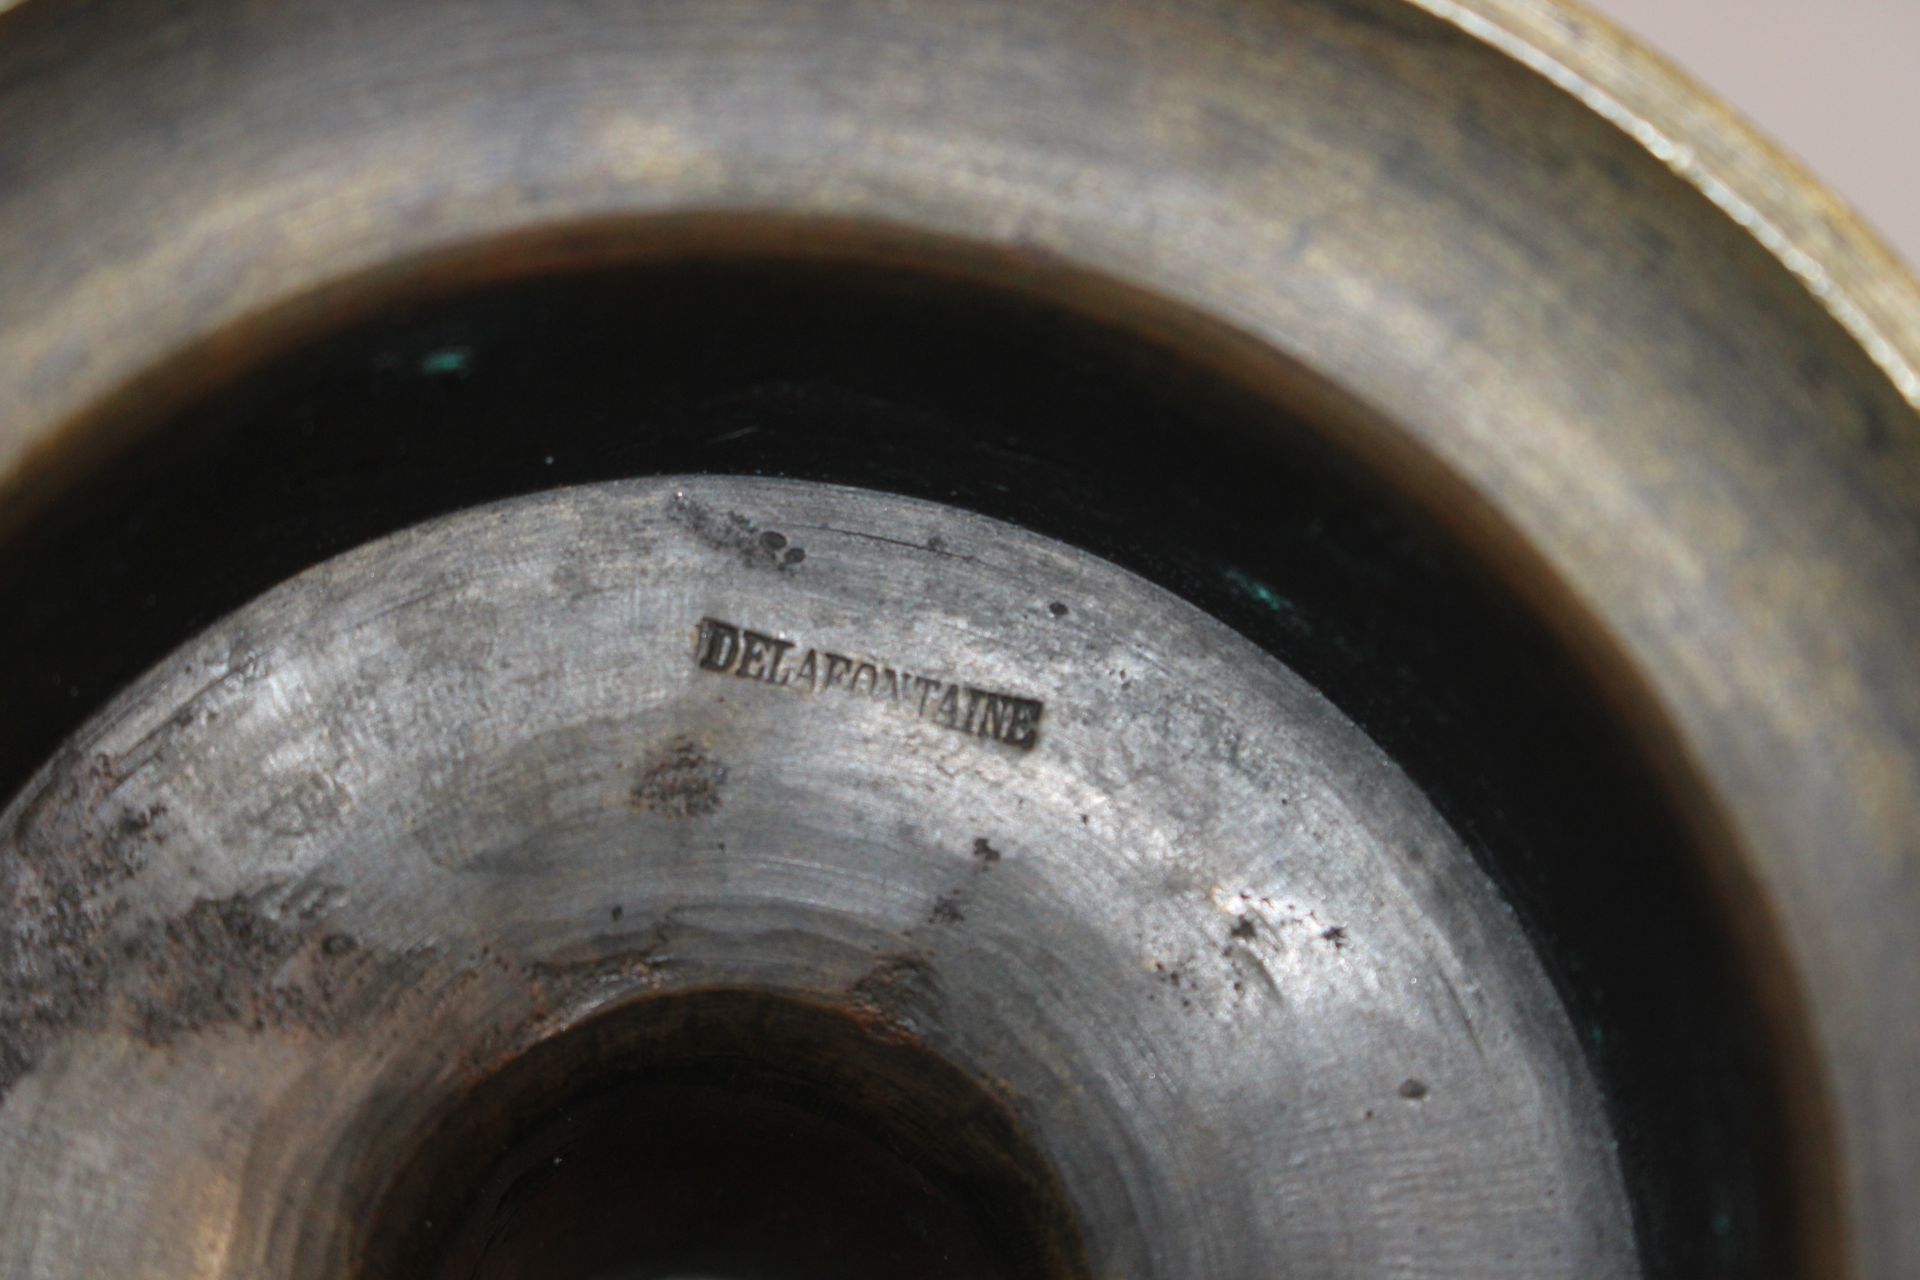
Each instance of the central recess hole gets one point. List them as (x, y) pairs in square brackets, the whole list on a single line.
[(726, 1136)]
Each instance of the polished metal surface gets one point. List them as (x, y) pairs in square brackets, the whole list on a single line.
[(440, 798)]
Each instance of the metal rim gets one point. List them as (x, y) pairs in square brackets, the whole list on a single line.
[(1815, 234)]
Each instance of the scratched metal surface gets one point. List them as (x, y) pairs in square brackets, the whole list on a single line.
[(439, 797)]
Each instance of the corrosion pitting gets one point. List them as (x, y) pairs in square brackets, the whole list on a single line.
[(680, 781), (59, 873), (730, 531), (70, 959), (897, 993), (260, 961)]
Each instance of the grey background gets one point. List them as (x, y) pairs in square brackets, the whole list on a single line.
[(1837, 82)]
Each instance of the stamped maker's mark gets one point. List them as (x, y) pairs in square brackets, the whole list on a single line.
[(726, 649)]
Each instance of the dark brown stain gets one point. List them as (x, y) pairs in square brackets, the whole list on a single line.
[(71, 959), (73, 848), (679, 782), (216, 965), (262, 961)]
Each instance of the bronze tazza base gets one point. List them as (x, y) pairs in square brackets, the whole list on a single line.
[(1049, 639)]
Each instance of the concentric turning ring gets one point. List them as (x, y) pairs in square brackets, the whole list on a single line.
[(1120, 935)]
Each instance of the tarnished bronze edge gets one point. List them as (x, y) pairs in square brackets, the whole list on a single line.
[(1821, 239), (1855, 276)]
